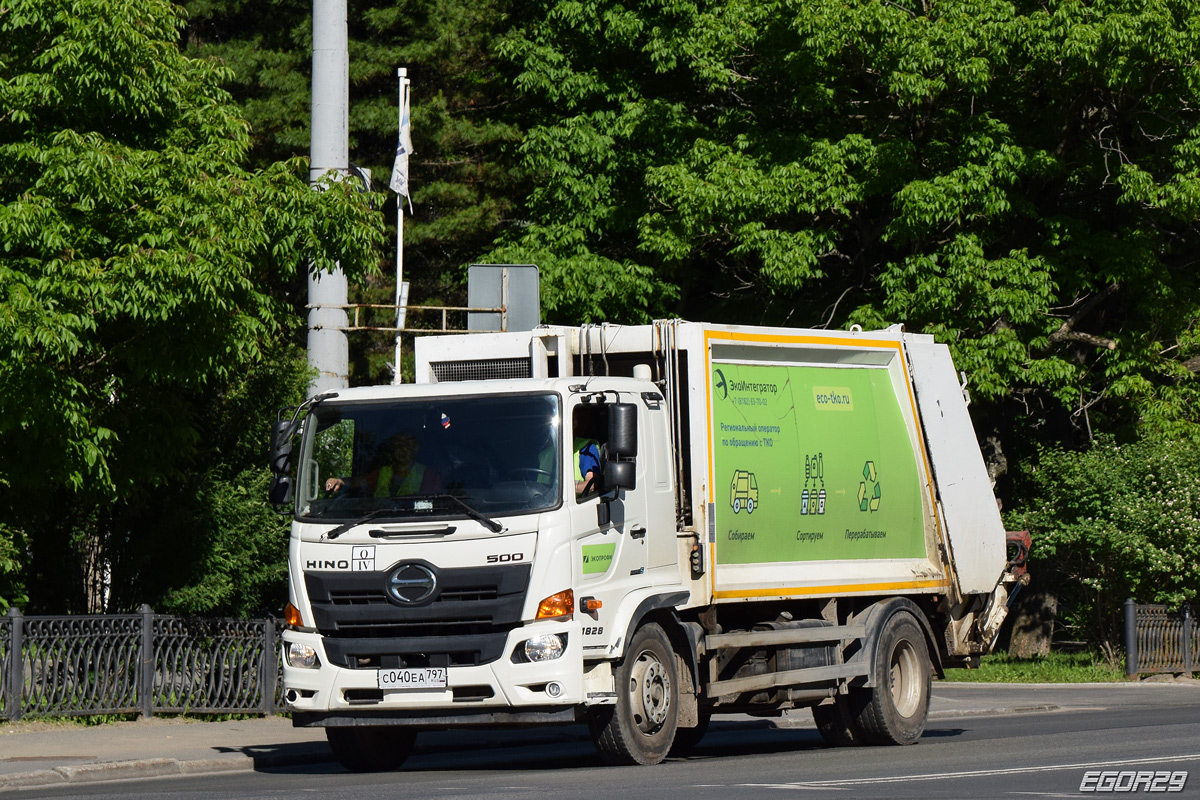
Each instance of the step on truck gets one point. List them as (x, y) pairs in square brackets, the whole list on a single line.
[(764, 520)]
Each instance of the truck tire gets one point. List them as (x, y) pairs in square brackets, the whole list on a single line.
[(371, 749), (836, 723), (895, 709), (640, 728)]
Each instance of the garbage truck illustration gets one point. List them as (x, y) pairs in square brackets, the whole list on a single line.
[(743, 492)]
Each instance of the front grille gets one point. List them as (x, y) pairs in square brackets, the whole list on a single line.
[(374, 596), (472, 593), (357, 598), (487, 369), (458, 627), (465, 622)]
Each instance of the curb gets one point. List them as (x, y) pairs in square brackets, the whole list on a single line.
[(151, 768)]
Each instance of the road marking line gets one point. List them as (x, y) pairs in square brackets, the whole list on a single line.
[(978, 773)]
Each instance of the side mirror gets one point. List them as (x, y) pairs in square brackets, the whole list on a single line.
[(620, 467), (620, 475), (622, 430), (280, 493), (281, 447)]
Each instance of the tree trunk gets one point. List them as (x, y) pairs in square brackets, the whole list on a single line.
[(1033, 622)]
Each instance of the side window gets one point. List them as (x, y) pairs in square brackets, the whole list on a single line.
[(589, 427), (333, 452)]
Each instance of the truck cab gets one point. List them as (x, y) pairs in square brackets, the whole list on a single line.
[(443, 558)]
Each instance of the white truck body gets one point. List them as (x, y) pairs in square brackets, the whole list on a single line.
[(779, 513)]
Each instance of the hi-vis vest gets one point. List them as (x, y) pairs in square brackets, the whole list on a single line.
[(410, 485)]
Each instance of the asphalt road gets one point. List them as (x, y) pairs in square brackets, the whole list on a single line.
[(1043, 745)]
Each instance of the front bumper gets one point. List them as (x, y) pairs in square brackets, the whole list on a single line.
[(321, 695)]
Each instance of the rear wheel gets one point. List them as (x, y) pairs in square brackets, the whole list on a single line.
[(895, 709), (371, 749), (640, 728)]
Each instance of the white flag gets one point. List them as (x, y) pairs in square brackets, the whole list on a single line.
[(399, 182)]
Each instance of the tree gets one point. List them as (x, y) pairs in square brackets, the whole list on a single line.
[(9, 567), (1114, 522), (227, 549), (1020, 179), (137, 264)]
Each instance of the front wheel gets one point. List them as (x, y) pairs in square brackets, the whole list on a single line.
[(371, 749), (640, 728), (895, 709)]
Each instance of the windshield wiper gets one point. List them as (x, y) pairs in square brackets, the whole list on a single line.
[(488, 522), (376, 514)]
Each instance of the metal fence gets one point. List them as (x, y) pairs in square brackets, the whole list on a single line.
[(1159, 639), (137, 663)]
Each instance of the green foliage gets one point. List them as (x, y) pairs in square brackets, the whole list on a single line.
[(137, 263), (1114, 522), (226, 550), (1021, 180), (1054, 668), (11, 593)]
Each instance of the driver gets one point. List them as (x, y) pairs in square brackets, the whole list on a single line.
[(587, 463), (586, 452), (397, 472)]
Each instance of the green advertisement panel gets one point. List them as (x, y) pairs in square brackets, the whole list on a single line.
[(597, 558), (812, 464)]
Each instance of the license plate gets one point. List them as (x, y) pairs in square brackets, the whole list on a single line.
[(413, 678)]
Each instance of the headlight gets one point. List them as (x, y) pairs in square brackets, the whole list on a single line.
[(301, 655), (545, 648)]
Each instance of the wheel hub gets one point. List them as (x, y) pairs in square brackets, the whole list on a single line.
[(905, 687), (652, 693)]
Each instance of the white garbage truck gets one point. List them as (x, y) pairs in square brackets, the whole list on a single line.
[(636, 528)]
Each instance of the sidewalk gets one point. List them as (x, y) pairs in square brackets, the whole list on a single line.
[(34, 753)]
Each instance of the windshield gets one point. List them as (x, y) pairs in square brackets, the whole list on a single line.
[(426, 458)]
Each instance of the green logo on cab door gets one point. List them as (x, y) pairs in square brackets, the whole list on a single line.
[(598, 558)]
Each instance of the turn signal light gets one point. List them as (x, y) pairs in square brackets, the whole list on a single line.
[(589, 604), (291, 616), (557, 605)]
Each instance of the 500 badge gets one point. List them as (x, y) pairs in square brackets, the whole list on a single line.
[(505, 558)]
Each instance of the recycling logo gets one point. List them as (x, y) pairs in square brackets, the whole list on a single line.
[(868, 489)]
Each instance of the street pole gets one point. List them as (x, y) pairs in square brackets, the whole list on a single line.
[(328, 349)]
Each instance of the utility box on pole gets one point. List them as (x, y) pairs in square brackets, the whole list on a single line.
[(511, 287)]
